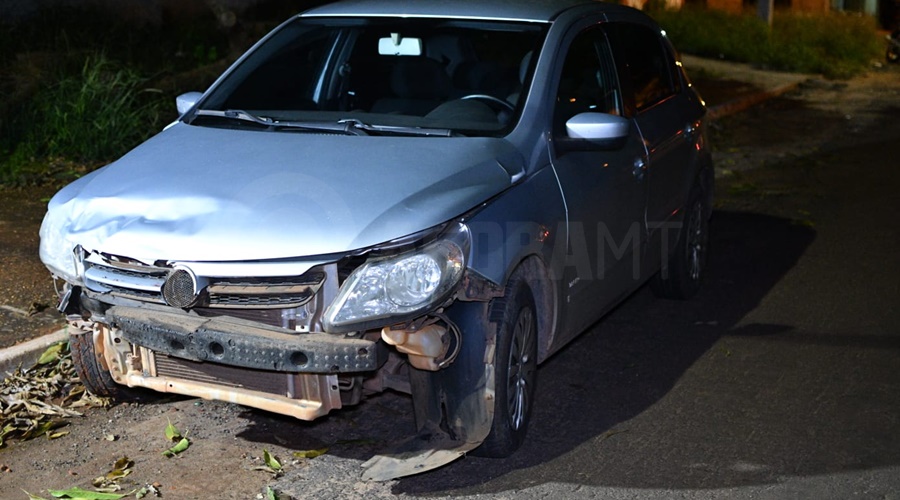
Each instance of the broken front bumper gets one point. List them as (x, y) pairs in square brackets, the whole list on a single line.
[(231, 360)]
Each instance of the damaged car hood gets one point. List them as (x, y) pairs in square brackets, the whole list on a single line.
[(210, 194)]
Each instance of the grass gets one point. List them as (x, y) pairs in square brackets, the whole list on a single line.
[(84, 119), (835, 45)]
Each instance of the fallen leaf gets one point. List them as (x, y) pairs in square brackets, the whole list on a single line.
[(172, 432), (310, 453), (110, 488), (81, 494), (271, 461), (178, 448), (54, 435), (123, 464), (51, 354), (34, 401)]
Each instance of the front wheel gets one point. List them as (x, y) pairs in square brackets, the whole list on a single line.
[(515, 371), (893, 55), (89, 367), (893, 50)]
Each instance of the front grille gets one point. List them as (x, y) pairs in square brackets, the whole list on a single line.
[(147, 283), (264, 293)]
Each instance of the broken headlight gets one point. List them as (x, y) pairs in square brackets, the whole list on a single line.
[(400, 287)]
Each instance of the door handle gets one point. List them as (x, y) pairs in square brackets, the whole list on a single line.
[(640, 166), (689, 130)]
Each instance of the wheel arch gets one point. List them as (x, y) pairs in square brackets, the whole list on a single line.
[(533, 271)]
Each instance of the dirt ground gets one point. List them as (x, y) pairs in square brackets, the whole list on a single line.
[(228, 441), (27, 297)]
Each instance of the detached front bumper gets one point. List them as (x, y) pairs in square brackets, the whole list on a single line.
[(231, 360)]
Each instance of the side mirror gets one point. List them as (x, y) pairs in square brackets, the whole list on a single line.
[(186, 101), (593, 131), (597, 130)]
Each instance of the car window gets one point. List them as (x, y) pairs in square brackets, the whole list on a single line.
[(648, 63), (588, 81), (416, 72)]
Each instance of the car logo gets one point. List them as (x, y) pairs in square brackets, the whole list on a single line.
[(180, 289)]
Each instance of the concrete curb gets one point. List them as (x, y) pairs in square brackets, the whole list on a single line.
[(748, 101), (27, 353)]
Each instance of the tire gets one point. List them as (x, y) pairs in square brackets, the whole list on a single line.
[(893, 51), (683, 272), (515, 371), (95, 378), (893, 55)]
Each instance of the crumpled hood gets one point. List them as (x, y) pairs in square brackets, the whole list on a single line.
[(207, 194)]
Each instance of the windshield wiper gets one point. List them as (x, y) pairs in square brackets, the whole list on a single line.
[(396, 129), (273, 124), (350, 126)]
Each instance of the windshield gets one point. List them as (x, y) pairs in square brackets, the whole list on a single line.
[(387, 75)]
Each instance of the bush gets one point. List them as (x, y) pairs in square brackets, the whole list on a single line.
[(835, 45), (88, 118)]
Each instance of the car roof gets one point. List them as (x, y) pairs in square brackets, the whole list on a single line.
[(517, 10)]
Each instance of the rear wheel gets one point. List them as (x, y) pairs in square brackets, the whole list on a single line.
[(683, 272), (515, 371), (89, 367)]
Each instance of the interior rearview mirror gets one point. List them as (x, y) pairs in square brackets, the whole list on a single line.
[(396, 45)]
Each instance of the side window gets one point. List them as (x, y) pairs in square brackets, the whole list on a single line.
[(649, 64), (588, 81)]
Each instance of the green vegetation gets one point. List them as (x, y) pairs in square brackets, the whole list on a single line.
[(82, 120), (835, 45)]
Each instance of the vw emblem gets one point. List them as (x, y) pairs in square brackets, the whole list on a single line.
[(180, 288)]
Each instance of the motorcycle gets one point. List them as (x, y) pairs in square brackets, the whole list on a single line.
[(893, 50)]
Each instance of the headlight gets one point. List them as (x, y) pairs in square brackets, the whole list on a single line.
[(400, 287)]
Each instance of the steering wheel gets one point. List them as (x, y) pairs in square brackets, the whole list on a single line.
[(492, 100)]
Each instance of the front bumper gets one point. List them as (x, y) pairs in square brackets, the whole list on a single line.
[(245, 344), (233, 360)]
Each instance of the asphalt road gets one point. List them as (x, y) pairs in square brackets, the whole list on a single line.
[(780, 380)]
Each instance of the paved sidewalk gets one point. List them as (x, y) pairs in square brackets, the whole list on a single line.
[(761, 84)]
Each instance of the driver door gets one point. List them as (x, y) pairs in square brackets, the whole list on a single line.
[(603, 185)]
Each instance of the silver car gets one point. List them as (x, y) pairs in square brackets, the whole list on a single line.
[(428, 197)]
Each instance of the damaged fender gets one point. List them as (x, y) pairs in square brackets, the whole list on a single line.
[(454, 407)]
